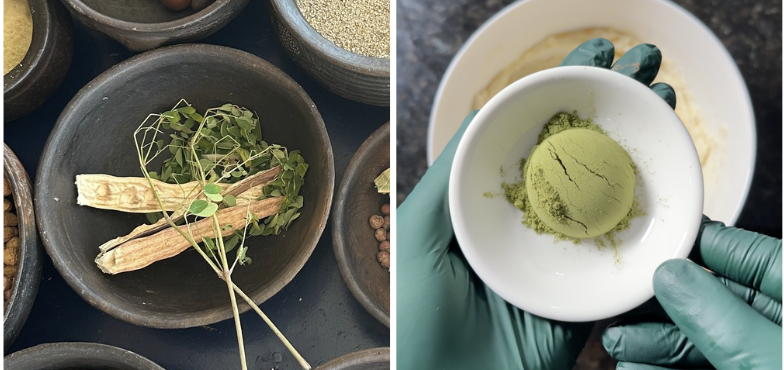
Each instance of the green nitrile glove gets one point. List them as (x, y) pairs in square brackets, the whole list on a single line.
[(447, 318), (729, 321)]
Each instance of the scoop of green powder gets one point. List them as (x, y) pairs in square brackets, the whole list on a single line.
[(577, 182)]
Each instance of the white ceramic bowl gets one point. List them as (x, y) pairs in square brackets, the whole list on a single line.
[(562, 280), (717, 87)]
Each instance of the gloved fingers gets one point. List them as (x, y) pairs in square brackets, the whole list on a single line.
[(722, 326), (666, 92), (641, 63), (636, 366), (746, 257), (598, 52), (761, 303), (652, 343), (556, 344), (424, 224)]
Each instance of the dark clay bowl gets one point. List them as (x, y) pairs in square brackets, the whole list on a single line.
[(368, 359), (94, 134), (352, 237), (28, 275), (77, 356), (43, 68), (357, 77), (146, 24)]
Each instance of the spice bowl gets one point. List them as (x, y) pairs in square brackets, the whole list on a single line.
[(355, 245), (145, 25), (368, 359), (28, 85), (562, 280), (77, 355), (27, 274), (353, 76), (95, 135)]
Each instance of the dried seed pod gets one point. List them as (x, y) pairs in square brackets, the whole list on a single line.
[(381, 235), (383, 259), (9, 271), (386, 223), (6, 205), (10, 256), (385, 209), (376, 221), (8, 233), (10, 219), (384, 246)]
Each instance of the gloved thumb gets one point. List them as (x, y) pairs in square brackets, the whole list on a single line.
[(724, 328)]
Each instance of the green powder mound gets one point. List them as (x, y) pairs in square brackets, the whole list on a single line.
[(577, 183)]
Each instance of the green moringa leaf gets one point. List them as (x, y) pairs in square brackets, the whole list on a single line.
[(230, 201), (202, 208), (382, 182), (213, 192)]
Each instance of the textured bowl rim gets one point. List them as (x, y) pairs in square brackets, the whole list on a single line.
[(84, 352), (366, 356), (208, 316), (291, 15), (38, 45), (211, 11), (30, 260), (378, 137), (437, 99)]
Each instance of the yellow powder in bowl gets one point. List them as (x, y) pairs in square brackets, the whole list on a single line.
[(17, 32)]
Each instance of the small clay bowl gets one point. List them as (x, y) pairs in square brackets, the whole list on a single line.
[(94, 134), (352, 237), (76, 355), (46, 63), (28, 275), (368, 359), (353, 76), (144, 25)]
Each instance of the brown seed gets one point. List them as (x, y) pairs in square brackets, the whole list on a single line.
[(13, 243), (6, 205), (376, 221), (7, 294), (6, 282), (385, 209), (10, 219), (383, 259), (381, 235), (384, 246), (9, 271), (386, 223), (8, 233), (10, 256), (176, 5)]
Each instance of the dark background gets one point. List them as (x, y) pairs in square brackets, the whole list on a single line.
[(430, 32), (315, 311)]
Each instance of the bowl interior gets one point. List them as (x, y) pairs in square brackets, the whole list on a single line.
[(355, 244), (94, 135), (138, 11), (724, 102), (561, 280)]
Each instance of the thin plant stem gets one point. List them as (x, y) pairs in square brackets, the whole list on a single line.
[(230, 285)]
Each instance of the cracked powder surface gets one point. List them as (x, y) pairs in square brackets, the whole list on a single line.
[(577, 183)]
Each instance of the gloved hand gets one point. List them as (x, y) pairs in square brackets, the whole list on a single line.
[(730, 321), (446, 317)]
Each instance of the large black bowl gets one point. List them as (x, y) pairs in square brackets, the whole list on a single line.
[(352, 237), (43, 68), (94, 134), (75, 355), (28, 275)]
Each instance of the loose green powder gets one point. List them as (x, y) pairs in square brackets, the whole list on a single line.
[(548, 197)]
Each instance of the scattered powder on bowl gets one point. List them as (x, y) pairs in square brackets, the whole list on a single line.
[(359, 26), (577, 183), (17, 32), (552, 50)]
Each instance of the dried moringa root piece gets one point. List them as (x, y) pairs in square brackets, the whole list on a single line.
[(141, 252), (134, 195)]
